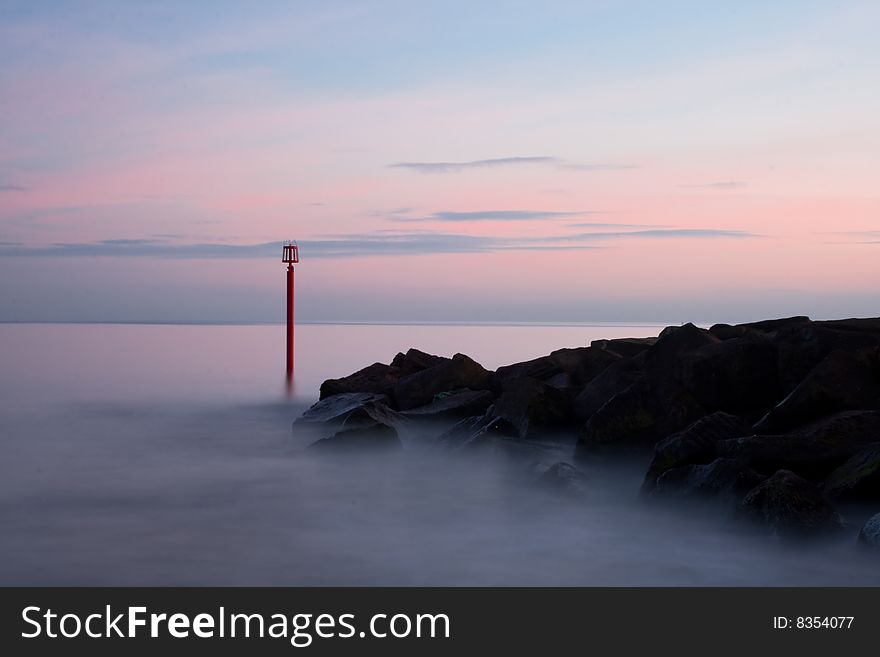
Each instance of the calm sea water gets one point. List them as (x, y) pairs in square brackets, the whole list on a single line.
[(138, 454)]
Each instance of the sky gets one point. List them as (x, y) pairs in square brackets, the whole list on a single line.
[(590, 161)]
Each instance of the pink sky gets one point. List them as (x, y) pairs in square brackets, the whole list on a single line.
[(733, 158)]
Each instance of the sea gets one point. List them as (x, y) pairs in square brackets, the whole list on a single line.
[(151, 454)]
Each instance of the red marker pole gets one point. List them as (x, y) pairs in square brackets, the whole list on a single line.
[(289, 320), (290, 255)]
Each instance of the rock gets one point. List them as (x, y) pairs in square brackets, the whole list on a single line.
[(624, 347), (454, 404), (477, 430), (583, 364), (377, 437), (727, 332), (541, 368), (722, 478), (376, 378), (694, 444), (563, 478), (812, 450), (616, 378), (869, 536), (415, 361), (420, 388), (737, 375), (663, 359), (789, 505), (801, 348), (771, 325), (841, 381), (858, 478), (639, 416), (534, 408), (350, 408)]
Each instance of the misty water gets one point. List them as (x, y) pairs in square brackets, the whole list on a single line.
[(162, 455)]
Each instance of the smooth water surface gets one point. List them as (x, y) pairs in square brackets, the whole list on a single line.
[(141, 454)]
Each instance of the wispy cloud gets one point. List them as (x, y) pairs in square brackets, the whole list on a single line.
[(379, 243), (545, 160), (663, 233), (600, 224), (489, 215), (6, 187), (719, 184)]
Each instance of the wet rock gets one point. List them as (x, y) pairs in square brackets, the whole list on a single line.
[(664, 358), (583, 364), (729, 479), (813, 450), (563, 478), (420, 388), (858, 478), (616, 378), (640, 416), (377, 437), (869, 535), (541, 369), (415, 361), (841, 381), (534, 408), (350, 408), (376, 378), (477, 430), (801, 348), (694, 444), (624, 347), (790, 505), (453, 404), (737, 375)]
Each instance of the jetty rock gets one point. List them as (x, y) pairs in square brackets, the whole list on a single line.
[(780, 416)]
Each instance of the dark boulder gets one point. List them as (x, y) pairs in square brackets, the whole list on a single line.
[(736, 375), (728, 479), (477, 430), (376, 378), (415, 361), (624, 347), (533, 407), (420, 388), (541, 368), (377, 437), (801, 348), (453, 404), (694, 444), (772, 325), (664, 358), (858, 478), (813, 450), (616, 378), (350, 408), (380, 378), (869, 536), (841, 381), (563, 478), (790, 505), (639, 416), (583, 364)]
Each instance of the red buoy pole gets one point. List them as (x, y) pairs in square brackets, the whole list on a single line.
[(289, 320)]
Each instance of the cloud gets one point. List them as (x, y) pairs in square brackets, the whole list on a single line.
[(490, 215), (720, 184), (6, 187), (663, 233), (380, 243), (599, 224), (546, 160)]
